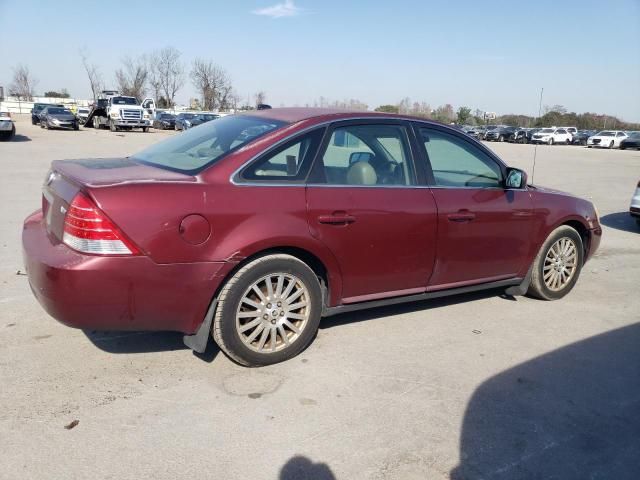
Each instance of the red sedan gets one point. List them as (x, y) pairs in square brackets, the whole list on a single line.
[(252, 227)]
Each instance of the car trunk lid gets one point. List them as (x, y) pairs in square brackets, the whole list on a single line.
[(68, 177)]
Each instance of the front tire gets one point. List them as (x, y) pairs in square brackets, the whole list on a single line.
[(145, 129), (112, 126), (558, 264), (551, 141), (269, 311), (611, 144)]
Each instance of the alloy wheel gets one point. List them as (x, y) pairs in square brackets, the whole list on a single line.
[(273, 312), (560, 264)]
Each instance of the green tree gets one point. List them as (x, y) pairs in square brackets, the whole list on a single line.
[(463, 115), (387, 109)]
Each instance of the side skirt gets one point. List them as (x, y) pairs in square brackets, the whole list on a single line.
[(511, 282)]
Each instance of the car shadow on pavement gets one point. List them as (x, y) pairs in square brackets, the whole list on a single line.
[(145, 342), (20, 138), (572, 413), (402, 308), (620, 221), (301, 468)]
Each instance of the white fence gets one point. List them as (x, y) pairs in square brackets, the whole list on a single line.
[(15, 105)]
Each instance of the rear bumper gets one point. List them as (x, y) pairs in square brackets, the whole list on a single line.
[(6, 125), (114, 292)]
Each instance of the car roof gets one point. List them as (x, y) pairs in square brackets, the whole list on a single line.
[(297, 114)]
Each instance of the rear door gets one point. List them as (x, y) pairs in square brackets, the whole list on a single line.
[(484, 230), (365, 205)]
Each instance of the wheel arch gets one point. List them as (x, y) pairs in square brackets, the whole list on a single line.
[(583, 231)]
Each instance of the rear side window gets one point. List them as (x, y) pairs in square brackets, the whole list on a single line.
[(289, 162), (367, 155), (458, 163)]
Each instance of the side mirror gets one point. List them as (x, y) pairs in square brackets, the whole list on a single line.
[(516, 178)]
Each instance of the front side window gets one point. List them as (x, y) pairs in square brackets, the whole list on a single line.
[(289, 162), (200, 147), (367, 155), (457, 163)]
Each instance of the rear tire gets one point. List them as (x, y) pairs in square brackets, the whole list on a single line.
[(112, 126), (558, 264), (551, 141), (279, 332), (145, 129)]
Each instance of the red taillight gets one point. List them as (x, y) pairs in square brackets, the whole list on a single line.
[(88, 230)]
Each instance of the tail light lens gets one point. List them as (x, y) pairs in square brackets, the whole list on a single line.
[(87, 229)]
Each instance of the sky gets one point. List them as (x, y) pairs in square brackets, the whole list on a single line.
[(494, 56)]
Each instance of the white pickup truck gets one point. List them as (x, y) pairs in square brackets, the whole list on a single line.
[(120, 112)]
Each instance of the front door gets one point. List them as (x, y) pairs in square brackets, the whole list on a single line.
[(364, 205), (484, 230)]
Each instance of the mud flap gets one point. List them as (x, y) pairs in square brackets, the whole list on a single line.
[(199, 340), (519, 290)]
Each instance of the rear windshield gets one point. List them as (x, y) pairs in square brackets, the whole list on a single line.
[(202, 146), (124, 101)]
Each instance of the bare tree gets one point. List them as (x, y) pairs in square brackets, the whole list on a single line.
[(132, 78), (166, 74), (213, 83), (95, 80), (260, 97), (23, 83)]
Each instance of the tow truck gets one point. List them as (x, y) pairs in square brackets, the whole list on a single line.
[(117, 112)]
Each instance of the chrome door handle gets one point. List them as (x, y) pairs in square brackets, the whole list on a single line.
[(336, 219)]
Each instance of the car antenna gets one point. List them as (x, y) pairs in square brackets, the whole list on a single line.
[(535, 148)]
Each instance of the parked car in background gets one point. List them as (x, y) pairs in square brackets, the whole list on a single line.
[(82, 114), (488, 129), (477, 132), (531, 132), (551, 136), (184, 121), (7, 127), (36, 111), (500, 134), (58, 117), (632, 141), (606, 139), (207, 117), (164, 121), (634, 209), (571, 130), (297, 222), (518, 136)]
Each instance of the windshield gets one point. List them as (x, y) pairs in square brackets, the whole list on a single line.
[(187, 116), (202, 146), (57, 111), (124, 101), (166, 116), (606, 134)]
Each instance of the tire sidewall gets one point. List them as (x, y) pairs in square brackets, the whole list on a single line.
[(561, 232), (228, 308)]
